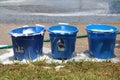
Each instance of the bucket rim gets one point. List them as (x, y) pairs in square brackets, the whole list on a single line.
[(113, 27), (32, 34), (65, 32)]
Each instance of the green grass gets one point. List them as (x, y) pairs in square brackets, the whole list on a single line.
[(71, 71)]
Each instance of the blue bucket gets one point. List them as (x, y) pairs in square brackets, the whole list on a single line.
[(27, 42), (63, 38), (102, 39)]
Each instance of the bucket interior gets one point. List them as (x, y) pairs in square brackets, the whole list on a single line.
[(101, 28), (66, 29), (23, 31)]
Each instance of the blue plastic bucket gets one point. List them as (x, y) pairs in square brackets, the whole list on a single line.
[(102, 39), (63, 38), (27, 42)]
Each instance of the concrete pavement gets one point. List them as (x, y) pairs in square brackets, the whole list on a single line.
[(83, 11)]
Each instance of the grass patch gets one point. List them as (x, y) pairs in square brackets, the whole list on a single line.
[(71, 71)]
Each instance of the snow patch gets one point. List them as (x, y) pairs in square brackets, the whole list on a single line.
[(57, 68), (7, 58)]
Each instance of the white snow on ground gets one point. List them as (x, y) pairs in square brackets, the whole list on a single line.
[(57, 68), (7, 58)]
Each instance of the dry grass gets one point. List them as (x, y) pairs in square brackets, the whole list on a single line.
[(71, 71)]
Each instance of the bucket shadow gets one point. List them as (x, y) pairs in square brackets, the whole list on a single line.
[(51, 56), (11, 58), (88, 53), (117, 44)]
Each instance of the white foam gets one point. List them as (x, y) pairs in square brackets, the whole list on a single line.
[(42, 33), (98, 30), (25, 32), (60, 31), (28, 31), (16, 34)]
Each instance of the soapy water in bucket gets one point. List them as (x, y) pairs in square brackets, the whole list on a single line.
[(98, 30), (61, 31), (25, 32), (28, 31)]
